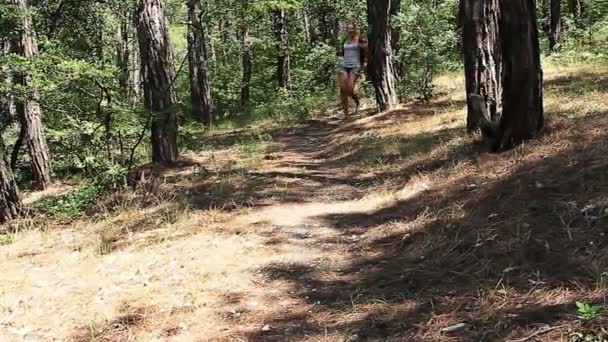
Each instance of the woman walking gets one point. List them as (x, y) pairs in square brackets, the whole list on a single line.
[(354, 53)]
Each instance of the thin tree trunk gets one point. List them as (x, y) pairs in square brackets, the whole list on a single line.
[(523, 116), (306, 26), (8, 111), (555, 30), (200, 91), (160, 97), (123, 53), (247, 68), (223, 27), (400, 63), (282, 44), (29, 109), (381, 70), (482, 59), (17, 147), (10, 203), (576, 7), (135, 68)]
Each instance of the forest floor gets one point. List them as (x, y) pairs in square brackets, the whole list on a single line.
[(383, 227)]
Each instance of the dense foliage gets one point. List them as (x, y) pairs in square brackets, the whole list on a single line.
[(97, 126)]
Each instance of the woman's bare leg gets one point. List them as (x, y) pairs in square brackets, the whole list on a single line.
[(354, 92), (345, 91)]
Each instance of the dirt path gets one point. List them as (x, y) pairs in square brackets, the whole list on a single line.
[(307, 282), (263, 275), (391, 227)]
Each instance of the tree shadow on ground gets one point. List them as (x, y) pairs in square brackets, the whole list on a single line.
[(578, 84), (523, 248), (309, 178)]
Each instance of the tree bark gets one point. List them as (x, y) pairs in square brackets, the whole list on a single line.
[(577, 8), (8, 111), (29, 108), (523, 116), (135, 71), (482, 60), (400, 64), (17, 148), (555, 30), (282, 44), (247, 68), (10, 203), (306, 26), (123, 53), (160, 97), (200, 90), (381, 70)]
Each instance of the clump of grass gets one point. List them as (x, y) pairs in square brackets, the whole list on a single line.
[(114, 233), (72, 204), (6, 239)]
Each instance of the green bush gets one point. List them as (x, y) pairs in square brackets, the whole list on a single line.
[(72, 204)]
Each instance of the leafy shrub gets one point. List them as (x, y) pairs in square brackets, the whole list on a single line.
[(72, 204)]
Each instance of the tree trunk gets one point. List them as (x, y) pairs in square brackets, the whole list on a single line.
[(381, 71), (482, 59), (555, 30), (224, 37), (135, 71), (282, 43), (400, 64), (123, 53), (10, 204), (523, 116), (29, 109), (200, 91), (160, 97), (17, 148), (247, 68), (306, 26), (576, 7), (8, 111)]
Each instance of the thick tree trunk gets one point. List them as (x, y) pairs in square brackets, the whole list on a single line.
[(381, 71), (247, 68), (282, 44), (523, 116), (10, 204), (29, 109), (482, 59), (127, 56), (200, 91), (160, 97), (555, 30)]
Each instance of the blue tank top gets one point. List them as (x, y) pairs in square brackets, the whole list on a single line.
[(352, 55)]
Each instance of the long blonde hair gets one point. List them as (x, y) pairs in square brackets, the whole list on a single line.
[(354, 33)]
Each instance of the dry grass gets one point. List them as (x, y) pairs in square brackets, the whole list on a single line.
[(392, 226)]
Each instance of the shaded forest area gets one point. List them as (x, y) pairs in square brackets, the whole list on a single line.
[(175, 170)]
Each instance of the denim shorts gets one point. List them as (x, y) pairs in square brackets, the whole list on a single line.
[(355, 70)]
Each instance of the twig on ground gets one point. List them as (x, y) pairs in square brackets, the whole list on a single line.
[(540, 332)]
